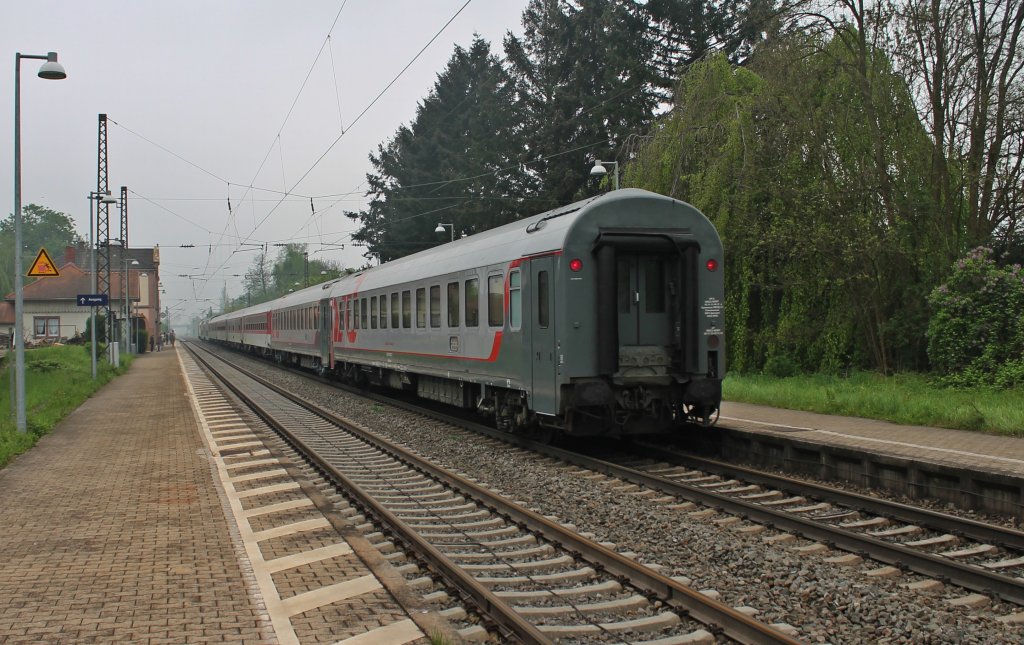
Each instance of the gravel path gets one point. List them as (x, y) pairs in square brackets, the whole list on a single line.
[(827, 603)]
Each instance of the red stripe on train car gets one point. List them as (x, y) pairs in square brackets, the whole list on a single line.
[(495, 350)]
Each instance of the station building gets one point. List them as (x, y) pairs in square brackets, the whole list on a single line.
[(52, 313)]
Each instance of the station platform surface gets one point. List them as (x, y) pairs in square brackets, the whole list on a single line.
[(115, 528), (956, 448)]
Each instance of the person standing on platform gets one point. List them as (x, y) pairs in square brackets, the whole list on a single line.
[(160, 343), (172, 338), (152, 342)]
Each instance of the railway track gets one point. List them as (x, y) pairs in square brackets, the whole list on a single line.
[(534, 579), (982, 557)]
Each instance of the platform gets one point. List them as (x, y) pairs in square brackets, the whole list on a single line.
[(958, 448), (116, 528), (974, 470)]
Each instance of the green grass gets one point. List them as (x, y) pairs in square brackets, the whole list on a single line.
[(57, 380), (905, 398)]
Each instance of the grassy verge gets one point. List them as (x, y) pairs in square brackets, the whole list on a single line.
[(57, 380), (906, 398)]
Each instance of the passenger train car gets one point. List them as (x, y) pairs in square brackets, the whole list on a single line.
[(601, 317)]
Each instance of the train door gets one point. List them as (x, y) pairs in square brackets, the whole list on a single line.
[(326, 332), (643, 290), (544, 355)]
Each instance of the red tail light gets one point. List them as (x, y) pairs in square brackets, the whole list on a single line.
[(575, 264), (712, 264)]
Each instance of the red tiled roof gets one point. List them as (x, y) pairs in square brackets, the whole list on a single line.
[(73, 281)]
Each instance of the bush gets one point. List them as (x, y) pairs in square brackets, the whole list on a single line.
[(781, 366), (976, 332)]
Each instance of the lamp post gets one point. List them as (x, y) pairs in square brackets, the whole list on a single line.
[(104, 198), (50, 70), (135, 330), (440, 229), (600, 171), (125, 291)]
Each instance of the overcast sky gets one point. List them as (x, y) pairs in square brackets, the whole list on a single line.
[(198, 94)]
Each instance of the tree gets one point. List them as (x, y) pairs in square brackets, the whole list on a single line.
[(258, 278), (682, 32), (41, 227), (584, 84), (809, 162), (457, 162), (964, 59)]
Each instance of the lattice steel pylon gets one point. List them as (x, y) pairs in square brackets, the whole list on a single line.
[(102, 249), (124, 217)]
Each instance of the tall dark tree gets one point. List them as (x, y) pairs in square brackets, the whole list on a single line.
[(584, 83), (684, 31), (458, 162), (41, 227)]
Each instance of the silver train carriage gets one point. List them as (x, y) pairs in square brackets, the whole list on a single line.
[(600, 317)]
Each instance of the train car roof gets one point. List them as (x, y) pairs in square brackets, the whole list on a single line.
[(535, 235)]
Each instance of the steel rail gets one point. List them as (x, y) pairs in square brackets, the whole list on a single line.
[(489, 604), (967, 576), (959, 526), (716, 615)]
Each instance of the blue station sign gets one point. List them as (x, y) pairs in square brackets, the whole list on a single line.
[(92, 300)]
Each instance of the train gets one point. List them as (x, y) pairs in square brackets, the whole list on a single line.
[(599, 318)]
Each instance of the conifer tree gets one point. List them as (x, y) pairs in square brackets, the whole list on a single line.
[(458, 162)]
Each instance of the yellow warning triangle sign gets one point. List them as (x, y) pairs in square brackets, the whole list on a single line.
[(43, 267)]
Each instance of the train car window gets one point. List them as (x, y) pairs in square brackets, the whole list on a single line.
[(654, 284), (542, 300), (421, 307), (383, 311), (495, 300), (341, 314), (355, 313), (406, 309), (453, 304), (373, 312), (363, 313), (473, 302), (395, 310), (624, 287), (515, 300), (435, 305)]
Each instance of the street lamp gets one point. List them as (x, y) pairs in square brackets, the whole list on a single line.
[(125, 291), (600, 171), (104, 198), (50, 70), (440, 229)]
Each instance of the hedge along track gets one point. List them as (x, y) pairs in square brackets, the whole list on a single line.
[(536, 580)]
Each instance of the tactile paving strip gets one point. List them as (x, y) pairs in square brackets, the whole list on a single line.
[(274, 516)]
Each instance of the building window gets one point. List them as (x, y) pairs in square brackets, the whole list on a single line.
[(46, 326)]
